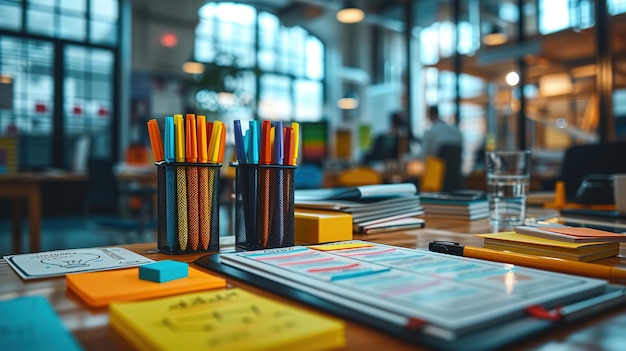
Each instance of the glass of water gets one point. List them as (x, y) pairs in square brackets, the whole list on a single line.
[(508, 174)]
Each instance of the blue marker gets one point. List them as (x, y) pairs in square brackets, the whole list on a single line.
[(239, 145), (170, 185), (278, 142), (253, 143)]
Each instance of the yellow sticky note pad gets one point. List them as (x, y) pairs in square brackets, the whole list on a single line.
[(317, 227), (341, 246), (231, 319)]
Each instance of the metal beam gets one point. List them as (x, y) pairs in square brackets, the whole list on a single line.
[(604, 78)]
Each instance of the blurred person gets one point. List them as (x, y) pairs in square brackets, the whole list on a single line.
[(440, 133), (393, 144)]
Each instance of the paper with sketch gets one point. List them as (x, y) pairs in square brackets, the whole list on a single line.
[(61, 262)]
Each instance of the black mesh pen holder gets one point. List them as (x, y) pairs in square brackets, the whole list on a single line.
[(264, 206), (188, 207)]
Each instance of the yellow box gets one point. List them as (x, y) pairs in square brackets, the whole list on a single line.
[(315, 226)]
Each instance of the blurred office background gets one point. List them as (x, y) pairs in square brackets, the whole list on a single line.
[(80, 78)]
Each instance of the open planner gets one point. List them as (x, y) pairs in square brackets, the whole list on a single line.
[(439, 300)]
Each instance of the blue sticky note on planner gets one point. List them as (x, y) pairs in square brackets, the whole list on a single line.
[(30, 323), (164, 271)]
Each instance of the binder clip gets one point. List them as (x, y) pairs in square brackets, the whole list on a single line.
[(539, 312)]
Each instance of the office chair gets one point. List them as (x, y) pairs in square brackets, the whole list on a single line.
[(443, 173), (357, 176), (582, 160), (103, 197)]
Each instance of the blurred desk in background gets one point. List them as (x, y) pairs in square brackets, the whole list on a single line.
[(27, 186)]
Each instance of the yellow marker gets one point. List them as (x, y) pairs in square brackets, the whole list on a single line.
[(211, 139), (214, 149), (220, 156), (272, 160), (179, 126), (296, 140), (181, 182)]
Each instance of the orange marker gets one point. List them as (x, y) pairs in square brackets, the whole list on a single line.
[(155, 140), (191, 139), (222, 145), (266, 149), (202, 139)]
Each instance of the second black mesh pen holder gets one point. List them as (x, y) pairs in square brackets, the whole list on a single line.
[(264, 206), (188, 207)]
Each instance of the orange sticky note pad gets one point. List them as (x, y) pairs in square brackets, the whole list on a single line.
[(99, 289)]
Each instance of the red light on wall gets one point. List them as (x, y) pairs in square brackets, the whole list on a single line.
[(169, 40), (40, 107), (77, 110), (103, 112)]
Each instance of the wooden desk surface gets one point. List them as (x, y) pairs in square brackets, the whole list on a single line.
[(602, 332), (49, 176)]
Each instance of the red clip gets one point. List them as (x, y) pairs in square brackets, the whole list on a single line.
[(414, 323), (539, 312)]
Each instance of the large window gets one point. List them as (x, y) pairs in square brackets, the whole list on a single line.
[(62, 87), (288, 62)]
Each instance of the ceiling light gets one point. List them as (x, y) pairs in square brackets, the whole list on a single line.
[(512, 78), (350, 13), (348, 102), (496, 37), (193, 67)]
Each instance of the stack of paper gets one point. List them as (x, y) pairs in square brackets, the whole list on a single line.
[(379, 205), (455, 206), (570, 234), (532, 245), (232, 319)]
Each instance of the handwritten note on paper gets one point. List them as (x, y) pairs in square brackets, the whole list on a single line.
[(232, 319), (61, 262), (30, 323)]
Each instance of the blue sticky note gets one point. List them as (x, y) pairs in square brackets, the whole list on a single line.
[(30, 323), (163, 271)]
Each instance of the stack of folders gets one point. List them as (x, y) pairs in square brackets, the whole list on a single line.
[(470, 206), (540, 246), (374, 208)]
